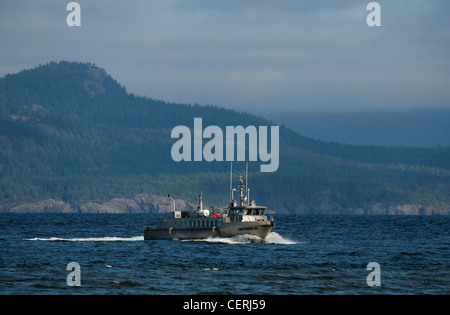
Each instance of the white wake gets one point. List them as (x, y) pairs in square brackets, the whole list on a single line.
[(272, 238), (89, 239), (275, 238)]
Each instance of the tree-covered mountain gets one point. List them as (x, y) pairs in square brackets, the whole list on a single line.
[(70, 132)]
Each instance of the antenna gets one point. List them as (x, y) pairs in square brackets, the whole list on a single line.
[(246, 179), (231, 179)]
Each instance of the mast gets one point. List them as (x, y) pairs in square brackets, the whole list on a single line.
[(246, 180), (200, 202), (241, 190), (247, 189), (231, 180)]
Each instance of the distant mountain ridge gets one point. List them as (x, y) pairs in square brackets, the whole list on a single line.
[(71, 133), (412, 128)]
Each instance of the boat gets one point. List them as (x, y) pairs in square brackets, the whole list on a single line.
[(237, 219)]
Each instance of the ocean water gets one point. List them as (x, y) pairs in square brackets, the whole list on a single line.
[(302, 255)]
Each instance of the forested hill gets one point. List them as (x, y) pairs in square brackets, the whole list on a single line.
[(71, 133)]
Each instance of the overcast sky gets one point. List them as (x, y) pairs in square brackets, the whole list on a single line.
[(257, 56)]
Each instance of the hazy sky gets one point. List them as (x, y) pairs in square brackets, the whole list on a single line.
[(257, 56)]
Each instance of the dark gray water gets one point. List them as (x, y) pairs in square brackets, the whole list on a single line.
[(303, 255)]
